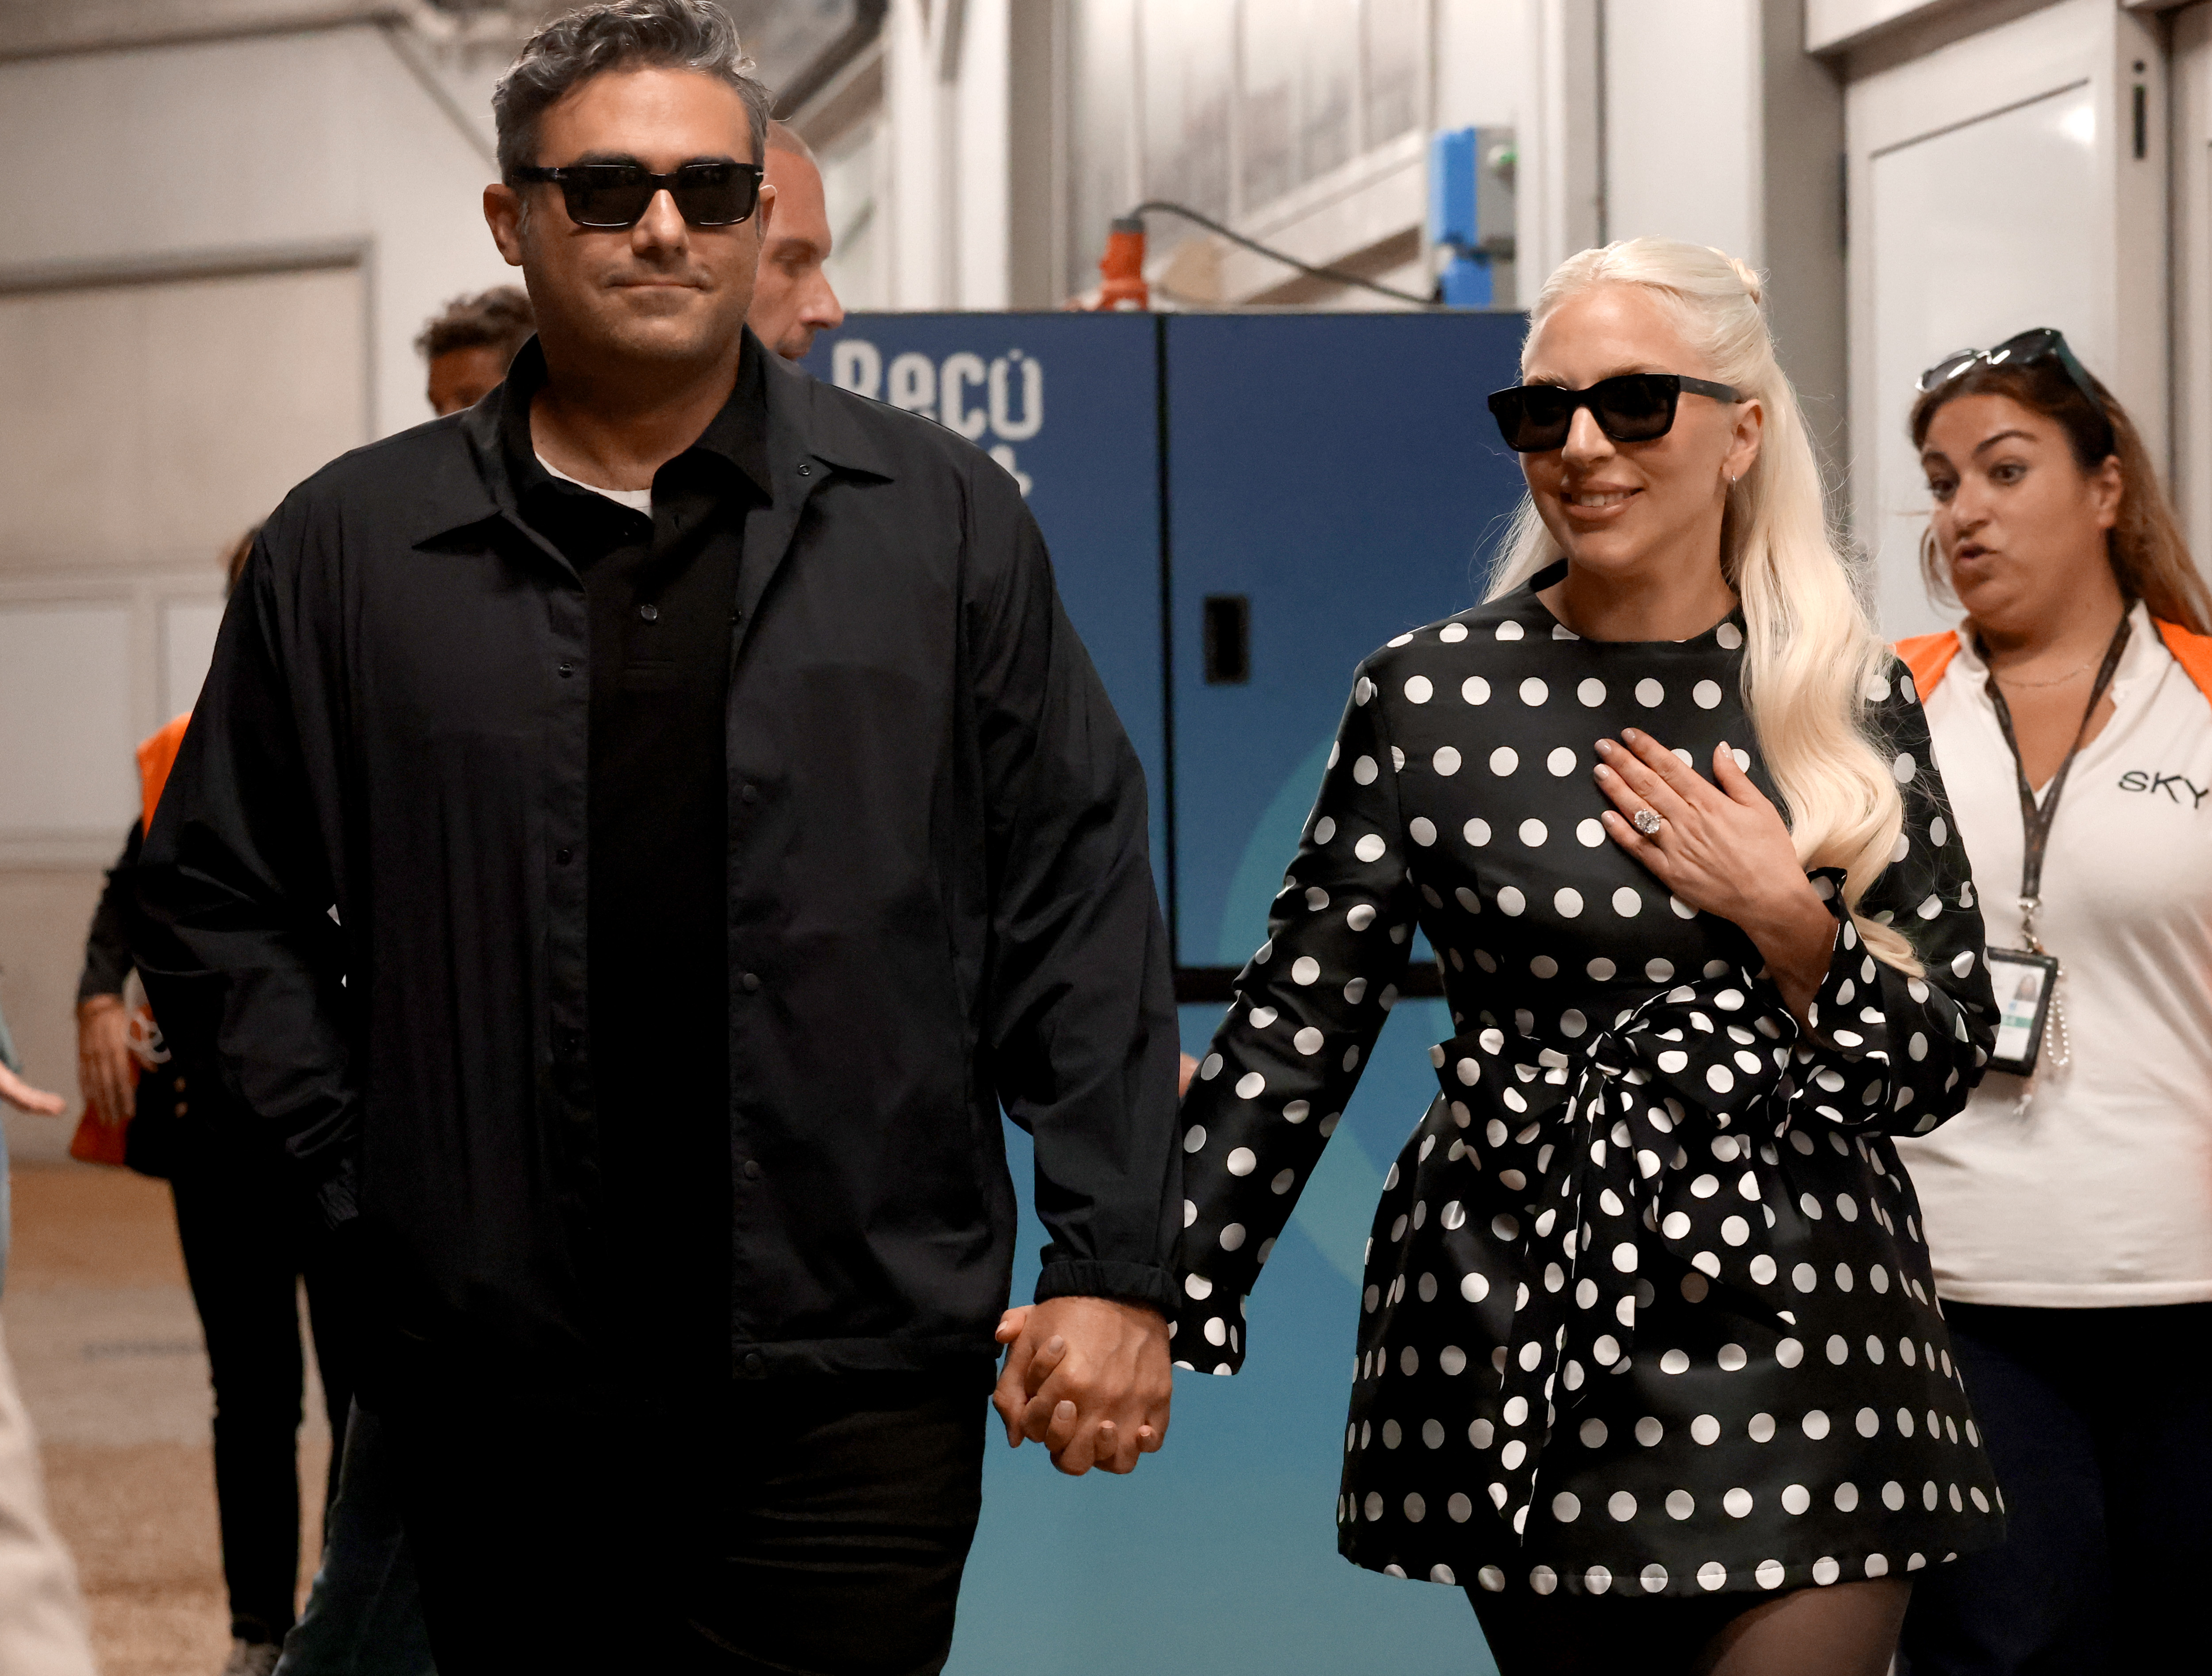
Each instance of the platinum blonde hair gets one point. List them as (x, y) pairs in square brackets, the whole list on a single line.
[(1811, 654)]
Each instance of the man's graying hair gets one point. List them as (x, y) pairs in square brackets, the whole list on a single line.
[(620, 35)]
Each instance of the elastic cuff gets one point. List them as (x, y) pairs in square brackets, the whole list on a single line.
[(1125, 1282)]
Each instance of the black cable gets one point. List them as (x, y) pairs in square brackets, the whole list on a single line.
[(1333, 276)]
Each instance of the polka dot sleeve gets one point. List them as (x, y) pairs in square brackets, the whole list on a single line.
[(1890, 1051), (1309, 1006)]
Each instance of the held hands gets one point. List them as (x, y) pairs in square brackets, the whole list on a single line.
[(1088, 1378), (1721, 849)]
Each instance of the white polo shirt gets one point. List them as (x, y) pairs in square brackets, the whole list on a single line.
[(2100, 1194)]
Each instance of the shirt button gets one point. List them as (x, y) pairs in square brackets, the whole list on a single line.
[(751, 983), (805, 469), (749, 794), (564, 855), (754, 1365), (752, 1169), (650, 613), (567, 670)]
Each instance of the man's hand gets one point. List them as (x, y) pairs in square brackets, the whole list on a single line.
[(1182, 1077), (1088, 1378), (103, 1058)]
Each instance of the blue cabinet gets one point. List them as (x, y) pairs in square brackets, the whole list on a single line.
[(1342, 474)]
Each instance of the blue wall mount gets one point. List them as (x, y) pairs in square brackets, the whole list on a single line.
[(1471, 208)]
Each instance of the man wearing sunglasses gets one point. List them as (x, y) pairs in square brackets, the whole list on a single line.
[(635, 834)]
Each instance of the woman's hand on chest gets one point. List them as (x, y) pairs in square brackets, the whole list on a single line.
[(1722, 849)]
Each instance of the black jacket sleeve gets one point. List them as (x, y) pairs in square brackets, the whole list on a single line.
[(1080, 1002), (107, 946), (234, 931)]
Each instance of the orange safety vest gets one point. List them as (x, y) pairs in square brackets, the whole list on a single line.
[(1928, 656), (156, 757)]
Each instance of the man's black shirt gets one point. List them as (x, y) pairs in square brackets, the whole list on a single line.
[(659, 590), (376, 878)]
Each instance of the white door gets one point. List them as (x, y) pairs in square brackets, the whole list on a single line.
[(2002, 182)]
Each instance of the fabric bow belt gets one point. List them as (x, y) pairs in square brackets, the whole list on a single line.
[(1656, 1134)]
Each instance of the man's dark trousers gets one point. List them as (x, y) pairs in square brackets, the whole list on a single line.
[(820, 1526)]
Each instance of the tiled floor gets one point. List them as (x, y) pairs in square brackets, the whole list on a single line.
[(107, 1349)]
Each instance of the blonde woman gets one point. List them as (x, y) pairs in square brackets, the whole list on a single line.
[(1649, 1357)]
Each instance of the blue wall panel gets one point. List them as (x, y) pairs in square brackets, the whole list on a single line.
[(1343, 472)]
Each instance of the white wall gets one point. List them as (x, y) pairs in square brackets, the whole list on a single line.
[(1683, 133), (217, 257), (320, 139), (1482, 52)]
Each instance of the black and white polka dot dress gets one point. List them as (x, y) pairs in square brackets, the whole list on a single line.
[(1646, 1308)]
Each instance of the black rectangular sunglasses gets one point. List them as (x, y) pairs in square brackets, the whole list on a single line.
[(1634, 407), (617, 194)]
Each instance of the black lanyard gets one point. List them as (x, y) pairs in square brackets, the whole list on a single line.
[(2036, 817)]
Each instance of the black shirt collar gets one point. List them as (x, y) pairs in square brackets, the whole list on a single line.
[(736, 437)]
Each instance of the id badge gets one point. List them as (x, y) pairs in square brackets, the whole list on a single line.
[(2024, 983)]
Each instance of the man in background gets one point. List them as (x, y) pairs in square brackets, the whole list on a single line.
[(469, 346), (792, 296)]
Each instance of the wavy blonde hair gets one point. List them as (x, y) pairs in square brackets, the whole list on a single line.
[(1811, 654)]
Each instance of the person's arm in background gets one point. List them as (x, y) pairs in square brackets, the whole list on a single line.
[(1079, 1015), (17, 1092), (103, 1025), (230, 924)]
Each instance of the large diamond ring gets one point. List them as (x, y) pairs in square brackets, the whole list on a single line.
[(1647, 821)]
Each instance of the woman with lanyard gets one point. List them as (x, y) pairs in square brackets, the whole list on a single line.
[(1648, 1358), (2069, 1207)]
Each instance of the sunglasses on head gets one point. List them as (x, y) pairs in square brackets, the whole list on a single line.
[(1634, 407), (2040, 344), (617, 194)]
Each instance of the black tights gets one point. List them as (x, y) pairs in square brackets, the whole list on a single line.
[(1844, 1630)]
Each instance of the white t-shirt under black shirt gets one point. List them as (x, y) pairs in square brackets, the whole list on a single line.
[(637, 499), (2100, 1191)]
